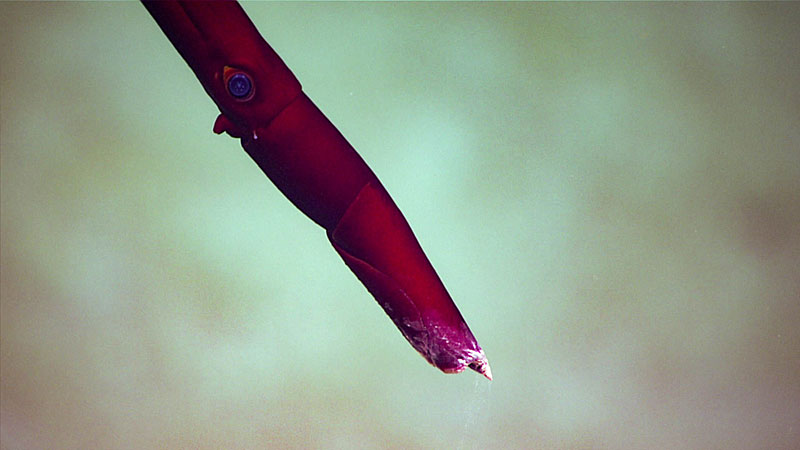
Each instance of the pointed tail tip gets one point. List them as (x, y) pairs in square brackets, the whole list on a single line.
[(482, 367), (488, 372)]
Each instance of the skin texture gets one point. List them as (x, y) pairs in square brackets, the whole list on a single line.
[(311, 163)]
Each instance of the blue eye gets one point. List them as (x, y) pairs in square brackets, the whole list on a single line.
[(240, 86)]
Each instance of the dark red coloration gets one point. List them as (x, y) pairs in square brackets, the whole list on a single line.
[(317, 169)]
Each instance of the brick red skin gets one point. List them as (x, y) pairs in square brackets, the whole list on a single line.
[(311, 163)]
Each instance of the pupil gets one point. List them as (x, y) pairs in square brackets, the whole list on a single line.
[(239, 85)]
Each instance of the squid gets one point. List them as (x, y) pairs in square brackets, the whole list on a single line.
[(262, 104)]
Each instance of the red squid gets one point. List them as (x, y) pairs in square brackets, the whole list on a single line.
[(299, 149)]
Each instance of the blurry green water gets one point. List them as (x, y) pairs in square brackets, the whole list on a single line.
[(609, 191)]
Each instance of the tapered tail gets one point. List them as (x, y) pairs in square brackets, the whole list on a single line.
[(262, 103)]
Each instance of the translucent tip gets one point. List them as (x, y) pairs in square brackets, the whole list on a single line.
[(488, 372), (482, 367)]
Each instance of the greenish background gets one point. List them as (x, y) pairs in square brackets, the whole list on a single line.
[(611, 192)]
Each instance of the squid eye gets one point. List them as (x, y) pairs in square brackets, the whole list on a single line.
[(239, 85)]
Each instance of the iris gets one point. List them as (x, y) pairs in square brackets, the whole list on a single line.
[(239, 85)]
